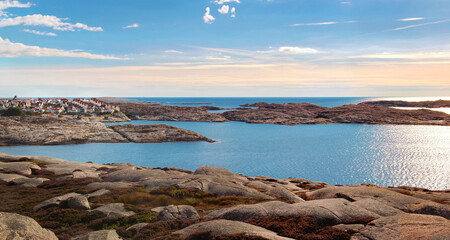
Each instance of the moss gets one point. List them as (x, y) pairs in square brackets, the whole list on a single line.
[(39, 163)]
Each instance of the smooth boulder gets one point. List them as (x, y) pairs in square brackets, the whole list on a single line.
[(219, 227), (17, 227)]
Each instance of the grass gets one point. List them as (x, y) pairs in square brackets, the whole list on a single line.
[(39, 163)]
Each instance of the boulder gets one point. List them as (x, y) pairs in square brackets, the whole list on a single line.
[(408, 226), (9, 177), (22, 180), (396, 200), (24, 168), (99, 235), (98, 193), (330, 211), (53, 202), (81, 174), (219, 227), (114, 210), (281, 192), (17, 227), (134, 175), (79, 202), (173, 212), (377, 207)]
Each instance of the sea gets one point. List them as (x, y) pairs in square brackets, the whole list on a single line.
[(385, 155)]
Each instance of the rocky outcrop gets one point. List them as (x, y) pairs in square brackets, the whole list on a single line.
[(219, 227), (406, 226), (363, 113), (373, 114), (56, 201), (114, 210), (215, 202), (422, 104), (17, 227), (328, 211), (285, 114), (21, 180), (158, 134), (52, 131), (79, 202), (173, 212), (384, 196), (156, 112)]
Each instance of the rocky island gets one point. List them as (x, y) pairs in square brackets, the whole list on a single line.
[(422, 104), (48, 198), (27, 130), (157, 112), (363, 113)]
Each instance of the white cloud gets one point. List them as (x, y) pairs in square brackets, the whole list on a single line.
[(233, 12), (313, 24), (224, 9), (11, 49), (40, 33), (346, 3), (46, 20), (422, 24), (11, 4), (410, 19), (220, 58), (208, 18), (172, 51), (132, 26), (226, 1), (297, 50)]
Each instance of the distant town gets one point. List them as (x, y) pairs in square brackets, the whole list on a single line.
[(76, 106)]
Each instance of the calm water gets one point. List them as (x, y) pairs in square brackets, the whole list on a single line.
[(236, 102), (335, 153)]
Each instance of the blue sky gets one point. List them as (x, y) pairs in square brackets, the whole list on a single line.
[(261, 48)]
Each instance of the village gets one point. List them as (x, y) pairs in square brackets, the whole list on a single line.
[(56, 106)]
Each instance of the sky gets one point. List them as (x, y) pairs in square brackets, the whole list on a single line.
[(224, 48)]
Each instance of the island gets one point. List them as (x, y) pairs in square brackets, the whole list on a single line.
[(22, 126), (362, 113), (28, 130), (48, 198)]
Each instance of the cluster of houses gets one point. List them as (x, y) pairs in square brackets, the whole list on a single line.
[(60, 105)]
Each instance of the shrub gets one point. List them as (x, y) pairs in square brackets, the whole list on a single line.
[(301, 227), (12, 111)]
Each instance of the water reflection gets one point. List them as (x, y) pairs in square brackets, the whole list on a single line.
[(334, 153)]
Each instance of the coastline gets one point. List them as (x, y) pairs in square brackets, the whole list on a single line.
[(373, 206)]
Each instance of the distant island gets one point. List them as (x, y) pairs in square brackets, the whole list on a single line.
[(35, 122)]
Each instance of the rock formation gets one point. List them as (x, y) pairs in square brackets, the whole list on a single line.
[(157, 134), (156, 112), (53, 131), (216, 203), (363, 113)]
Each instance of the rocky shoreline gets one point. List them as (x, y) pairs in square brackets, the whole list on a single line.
[(52, 198), (375, 113), (364, 113), (55, 131), (66, 129)]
